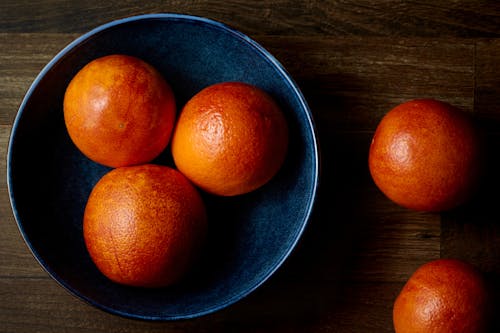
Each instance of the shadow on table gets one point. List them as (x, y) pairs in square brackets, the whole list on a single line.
[(472, 232), (308, 286)]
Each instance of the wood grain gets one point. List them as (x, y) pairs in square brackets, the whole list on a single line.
[(354, 61), (472, 233), (447, 18), (42, 305), (351, 83), (487, 80), (22, 57)]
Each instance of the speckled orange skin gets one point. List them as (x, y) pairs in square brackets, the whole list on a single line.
[(443, 296), (144, 225), (231, 138), (119, 111), (425, 155)]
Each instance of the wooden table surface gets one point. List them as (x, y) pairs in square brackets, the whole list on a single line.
[(354, 60)]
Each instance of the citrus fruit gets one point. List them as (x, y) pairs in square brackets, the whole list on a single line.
[(425, 155), (231, 138), (443, 296), (119, 111), (144, 225)]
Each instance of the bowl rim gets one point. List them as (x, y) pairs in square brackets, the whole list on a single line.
[(266, 55)]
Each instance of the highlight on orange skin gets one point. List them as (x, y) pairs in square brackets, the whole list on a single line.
[(119, 111), (231, 138)]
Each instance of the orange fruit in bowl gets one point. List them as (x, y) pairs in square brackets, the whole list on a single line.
[(425, 155), (119, 111), (231, 138), (144, 225), (443, 296)]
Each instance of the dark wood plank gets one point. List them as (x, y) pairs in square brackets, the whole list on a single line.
[(40, 305), (350, 83), (487, 82), (15, 258), (4, 141), (279, 17), (22, 57), (472, 232)]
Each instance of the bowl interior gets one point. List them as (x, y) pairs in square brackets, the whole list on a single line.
[(249, 235)]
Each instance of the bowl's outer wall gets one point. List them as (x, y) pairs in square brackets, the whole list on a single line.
[(250, 235)]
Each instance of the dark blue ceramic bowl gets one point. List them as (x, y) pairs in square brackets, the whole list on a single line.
[(250, 235)]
